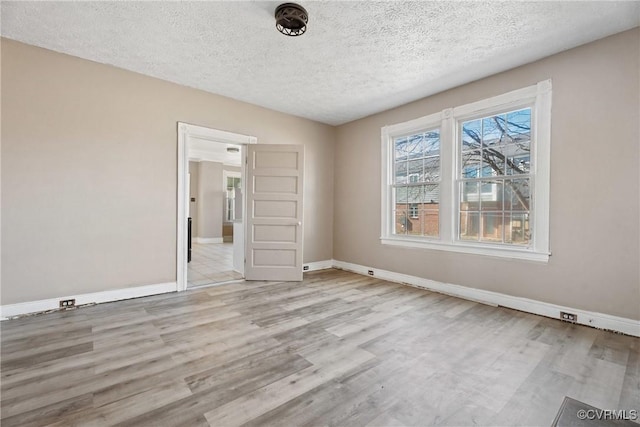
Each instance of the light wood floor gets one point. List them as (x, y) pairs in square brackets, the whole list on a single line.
[(336, 349)]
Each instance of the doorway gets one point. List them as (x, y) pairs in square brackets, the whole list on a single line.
[(215, 204), (210, 232)]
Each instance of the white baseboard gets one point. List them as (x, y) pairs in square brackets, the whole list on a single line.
[(596, 320), (11, 310), (208, 240), (318, 265)]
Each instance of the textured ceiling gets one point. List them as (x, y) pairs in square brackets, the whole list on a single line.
[(357, 58)]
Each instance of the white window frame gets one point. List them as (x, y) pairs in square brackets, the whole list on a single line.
[(538, 97), (389, 133), (413, 210), (229, 174)]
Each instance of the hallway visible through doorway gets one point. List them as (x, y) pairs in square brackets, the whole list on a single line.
[(211, 263)]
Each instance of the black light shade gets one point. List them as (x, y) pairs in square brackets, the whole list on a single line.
[(291, 19)]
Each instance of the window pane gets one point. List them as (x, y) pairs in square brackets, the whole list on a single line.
[(415, 194), (415, 146), (401, 197), (491, 167), (491, 195), (497, 145), (519, 126), (517, 195), (471, 164), (518, 161), (414, 224), (471, 135), (470, 196), (430, 223), (469, 225), (401, 173), (402, 222), (432, 196), (415, 171), (491, 227), (493, 161), (400, 146), (494, 131), (516, 228), (432, 169), (417, 158), (432, 142)]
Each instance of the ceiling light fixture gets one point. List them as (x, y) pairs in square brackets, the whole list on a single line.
[(291, 19)]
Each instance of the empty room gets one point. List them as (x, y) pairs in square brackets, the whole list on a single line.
[(323, 213)]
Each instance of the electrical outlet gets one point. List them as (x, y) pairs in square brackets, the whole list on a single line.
[(65, 303), (305, 268), (569, 317), (370, 272)]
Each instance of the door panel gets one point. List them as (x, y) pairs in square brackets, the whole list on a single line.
[(275, 176), (276, 184), (274, 233)]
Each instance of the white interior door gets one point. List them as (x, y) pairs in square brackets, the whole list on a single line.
[(274, 212)]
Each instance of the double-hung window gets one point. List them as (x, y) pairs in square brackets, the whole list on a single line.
[(473, 178), (415, 182)]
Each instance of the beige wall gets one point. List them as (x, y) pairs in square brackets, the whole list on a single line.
[(594, 215), (210, 200), (89, 156), (208, 188)]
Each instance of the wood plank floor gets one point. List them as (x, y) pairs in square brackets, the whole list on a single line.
[(335, 349)]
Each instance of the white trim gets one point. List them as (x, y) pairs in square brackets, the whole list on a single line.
[(474, 248), (11, 310), (216, 134), (185, 131), (588, 318), (507, 100), (415, 125), (183, 194), (317, 265), (542, 164), (206, 240)]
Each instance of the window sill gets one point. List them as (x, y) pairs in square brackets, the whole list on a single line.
[(475, 249)]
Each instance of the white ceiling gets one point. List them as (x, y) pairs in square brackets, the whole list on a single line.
[(357, 57)]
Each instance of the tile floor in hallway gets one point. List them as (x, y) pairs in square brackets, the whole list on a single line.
[(211, 263)]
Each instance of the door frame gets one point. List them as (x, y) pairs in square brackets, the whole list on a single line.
[(186, 130)]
